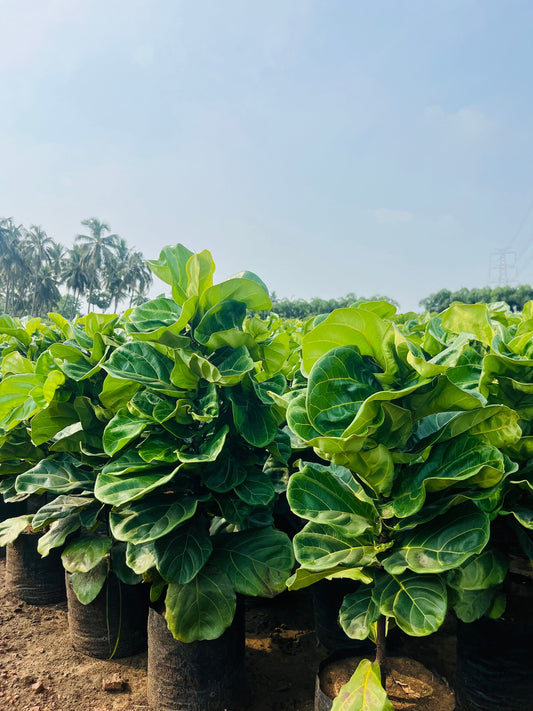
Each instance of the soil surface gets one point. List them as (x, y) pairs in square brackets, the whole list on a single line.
[(39, 670)]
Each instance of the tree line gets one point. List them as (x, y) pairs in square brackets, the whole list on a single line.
[(38, 274), (514, 296)]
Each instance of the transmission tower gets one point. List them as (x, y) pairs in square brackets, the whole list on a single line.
[(503, 267)]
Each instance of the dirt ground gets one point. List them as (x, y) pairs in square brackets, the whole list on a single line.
[(39, 670)]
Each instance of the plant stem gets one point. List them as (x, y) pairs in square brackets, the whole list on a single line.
[(381, 648)]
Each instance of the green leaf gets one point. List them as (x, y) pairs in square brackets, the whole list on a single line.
[(21, 396), (442, 544), (320, 547), (208, 450), (156, 313), (57, 533), (143, 364), (120, 566), (72, 361), (338, 384), (51, 420), (364, 691), (150, 518), (417, 602), (117, 392), (303, 578), (87, 585), (119, 490), (224, 316), (84, 554), (358, 613), (257, 423), (122, 429), (171, 267), (469, 318), (181, 554), (485, 570), (257, 489), (462, 461), (60, 507), (473, 604), (331, 495), (257, 562), (201, 609), (59, 475), (11, 528), (349, 327), (253, 294), (200, 269), (141, 558)]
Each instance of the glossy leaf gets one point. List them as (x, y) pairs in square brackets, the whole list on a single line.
[(59, 475), (150, 518), (11, 528), (84, 554), (257, 562), (87, 585), (120, 430), (331, 495), (364, 691), (442, 544), (183, 553), (201, 609), (358, 613), (119, 490), (321, 547), (143, 364)]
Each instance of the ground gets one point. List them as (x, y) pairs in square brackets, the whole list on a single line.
[(39, 671)]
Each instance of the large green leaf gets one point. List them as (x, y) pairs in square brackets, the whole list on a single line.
[(171, 267), (224, 316), (120, 430), (117, 392), (156, 313), (320, 547), (143, 364), (59, 475), (485, 570), (73, 362), (331, 495), (181, 554), (150, 518), (11, 528), (257, 489), (57, 533), (51, 420), (417, 602), (469, 318), (364, 691), (462, 461), (442, 544), (208, 450), (257, 562), (87, 585), (61, 507), (200, 269), (359, 612), (21, 396), (84, 554), (302, 578), (119, 490), (201, 609), (256, 422), (338, 384), (141, 558), (253, 294), (349, 327)]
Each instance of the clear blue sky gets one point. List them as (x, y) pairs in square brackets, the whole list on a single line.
[(328, 145)]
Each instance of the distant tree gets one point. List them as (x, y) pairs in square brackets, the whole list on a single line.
[(515, 297), (302, 309)]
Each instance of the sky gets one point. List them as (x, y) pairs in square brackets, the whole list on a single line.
[(330, 146)]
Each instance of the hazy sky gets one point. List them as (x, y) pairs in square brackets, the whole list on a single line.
[(331, 146)]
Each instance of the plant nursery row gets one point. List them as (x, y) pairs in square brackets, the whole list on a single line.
[(198, 450)]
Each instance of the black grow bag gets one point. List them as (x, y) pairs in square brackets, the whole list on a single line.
[(113, 624), (198, 676), (37, 580), (495, 658)]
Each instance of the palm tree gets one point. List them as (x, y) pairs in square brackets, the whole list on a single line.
[(37, 245), (13, 266), (74, 272), (139, 277), (99, 251)]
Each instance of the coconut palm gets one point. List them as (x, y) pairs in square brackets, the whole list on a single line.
[(36, 246), (13, 265), (99, 252)]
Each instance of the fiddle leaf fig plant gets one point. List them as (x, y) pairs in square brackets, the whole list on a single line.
[(414, 470)]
